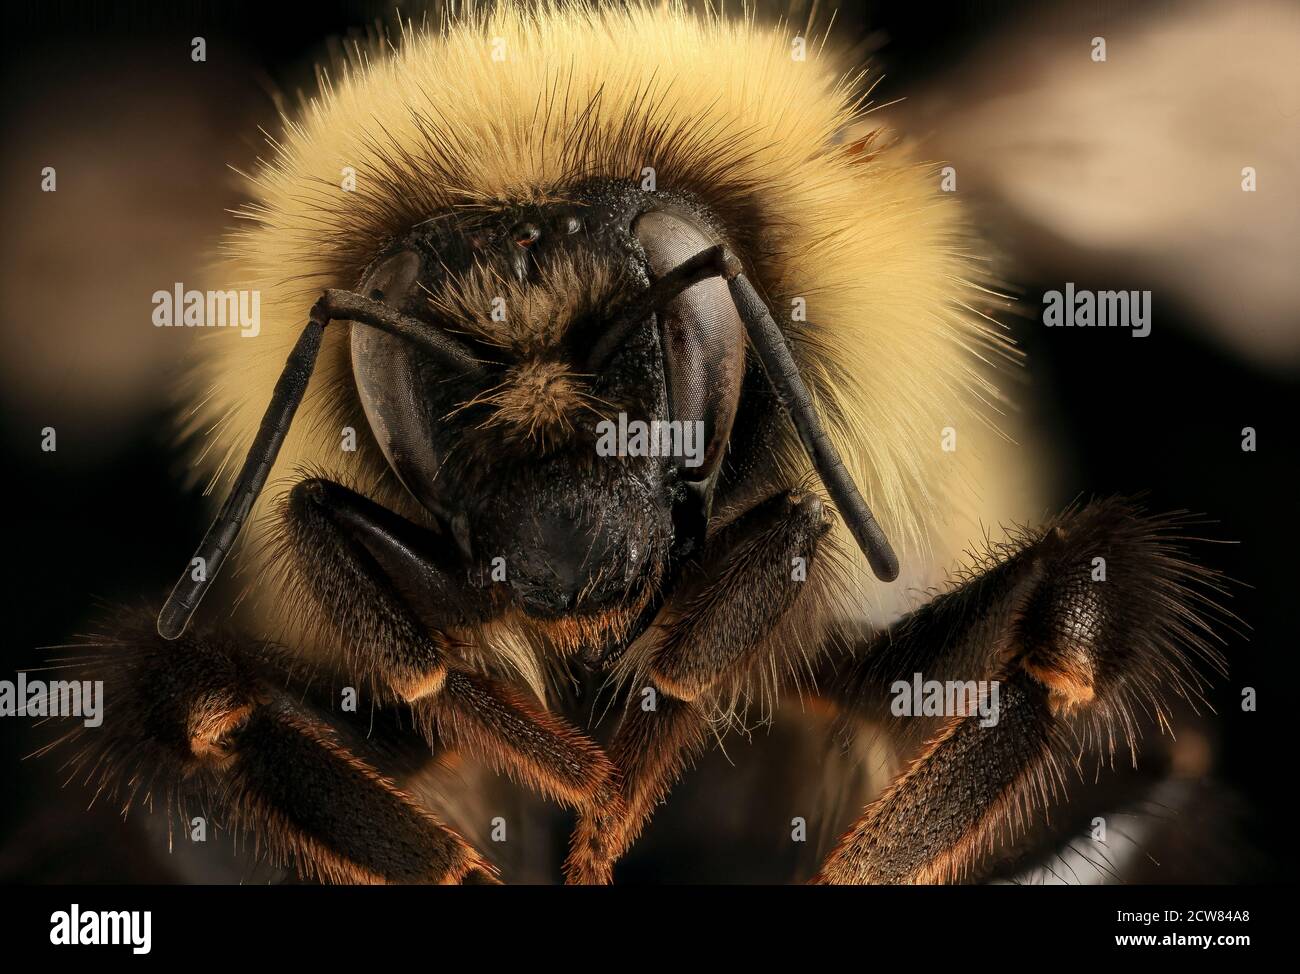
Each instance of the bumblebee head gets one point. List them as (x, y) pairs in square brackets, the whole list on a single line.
[(581, 436), (556, 384)]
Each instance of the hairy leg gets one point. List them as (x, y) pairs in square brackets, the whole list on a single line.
[(207, 719), (390, 598), (1081, 624), (696, 660)]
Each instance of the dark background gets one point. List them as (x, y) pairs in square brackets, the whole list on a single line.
[(107, 518)]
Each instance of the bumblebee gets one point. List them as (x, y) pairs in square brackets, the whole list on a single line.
[(474, 251)]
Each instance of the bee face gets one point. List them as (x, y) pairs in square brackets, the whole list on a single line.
[(561, 311), (521, 459)]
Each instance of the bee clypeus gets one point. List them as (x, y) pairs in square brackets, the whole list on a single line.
[(479, 252)]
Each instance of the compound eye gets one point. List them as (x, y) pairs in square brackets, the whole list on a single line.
[(703, 339), (393, 382)]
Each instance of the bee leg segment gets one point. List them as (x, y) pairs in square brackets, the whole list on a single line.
[(367, 568), (720, 616), (1053, 652), (514, 736), (716, 625), (970, 782), (651, 749), (287, 396), (206, 718)]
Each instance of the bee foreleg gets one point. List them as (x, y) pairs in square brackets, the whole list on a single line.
[(207, 718), (382, 583), (1064, 637), (752, 573), (697, 655), (516, 737), (368, 569)]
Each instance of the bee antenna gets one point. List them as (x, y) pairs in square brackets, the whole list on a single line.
[(774, 352), (705, 264), (285, 399)]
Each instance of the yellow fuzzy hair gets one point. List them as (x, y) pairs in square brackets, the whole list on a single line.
[(892, 348)]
